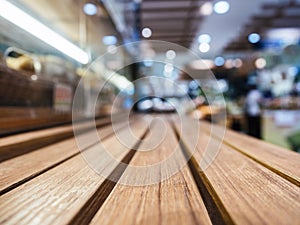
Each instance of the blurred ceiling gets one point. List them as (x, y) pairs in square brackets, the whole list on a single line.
[(172, 20), (279, 21), (182, 21), (66, 18), (176, 21)]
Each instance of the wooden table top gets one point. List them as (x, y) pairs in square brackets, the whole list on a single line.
[(156, 172)]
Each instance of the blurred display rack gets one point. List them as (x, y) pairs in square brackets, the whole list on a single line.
[(28, 104)]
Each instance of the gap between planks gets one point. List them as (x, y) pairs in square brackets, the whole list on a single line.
[(21, 144), (174, 200), (265, 158), (244, 190), (61, 193), (23, 168)]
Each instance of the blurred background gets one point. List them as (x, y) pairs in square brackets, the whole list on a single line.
[(245, 53)]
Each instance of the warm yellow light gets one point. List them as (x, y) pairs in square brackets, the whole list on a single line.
[(260, 63)]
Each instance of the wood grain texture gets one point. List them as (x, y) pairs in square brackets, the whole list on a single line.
[(248, 182), (282, 161), (15, 145), (245, 191), (175, 200), (16, 171), (57, 196)]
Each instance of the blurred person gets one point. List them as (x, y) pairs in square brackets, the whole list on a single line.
[(252, 111)]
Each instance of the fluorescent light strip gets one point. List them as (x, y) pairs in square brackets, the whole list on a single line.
[(39, 30)]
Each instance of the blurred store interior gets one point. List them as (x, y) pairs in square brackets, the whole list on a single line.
[(233, 62)]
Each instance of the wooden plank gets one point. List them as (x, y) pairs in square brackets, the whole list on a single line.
[(282, 161), (56, 196), (244, 191), (25, 112), (19, 170), (173, 201), (15, 145)]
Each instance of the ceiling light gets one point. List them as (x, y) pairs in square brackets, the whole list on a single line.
[(169, 68), (229, 63), (204, 47), (219, 61), (34, 77), (204, 64), (206, 9), (221, 7), (109, 40), (253, 38), (21, 19), (121, 82), (146, 32), (237, 63), (90, 9), (285, 35), (260, 63), (171, 54), (204, 38), (223, 85)]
